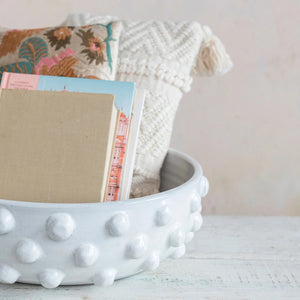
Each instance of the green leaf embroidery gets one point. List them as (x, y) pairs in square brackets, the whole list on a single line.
[(33, 50), (20, 67)]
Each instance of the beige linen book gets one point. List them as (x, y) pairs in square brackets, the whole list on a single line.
[(55, 146)]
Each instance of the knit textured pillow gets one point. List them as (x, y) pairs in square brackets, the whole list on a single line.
[(88, 51), (160, 57)]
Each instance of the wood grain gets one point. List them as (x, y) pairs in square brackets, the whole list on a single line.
[(230, 258)]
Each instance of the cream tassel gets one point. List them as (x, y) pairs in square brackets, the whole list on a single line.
[(212, 58)]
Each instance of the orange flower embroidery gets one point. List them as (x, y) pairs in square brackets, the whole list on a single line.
[(12, 40), (96, 45), (95, 48), (59, 37), (62, 33), (63, 68)]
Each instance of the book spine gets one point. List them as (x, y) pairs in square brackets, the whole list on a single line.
[(117, 165)]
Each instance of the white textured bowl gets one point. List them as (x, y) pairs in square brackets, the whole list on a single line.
[(64, 244)]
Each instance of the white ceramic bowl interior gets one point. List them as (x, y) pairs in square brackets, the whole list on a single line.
[(69, 244)]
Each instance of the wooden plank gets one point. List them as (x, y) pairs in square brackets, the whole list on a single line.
[(230, 258)]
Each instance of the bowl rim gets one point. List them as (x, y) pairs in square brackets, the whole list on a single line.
[(197, 173)]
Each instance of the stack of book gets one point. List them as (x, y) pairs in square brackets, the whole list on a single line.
[(67, 140)]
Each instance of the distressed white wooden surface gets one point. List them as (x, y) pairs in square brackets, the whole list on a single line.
[(230, 258)]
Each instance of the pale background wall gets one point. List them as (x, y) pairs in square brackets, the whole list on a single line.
[(246, 125)]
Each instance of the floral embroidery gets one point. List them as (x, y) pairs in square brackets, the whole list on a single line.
[(63, 68), (60, 51), (59, 37), (60, 65), (19, 67), (95, 48), (47, 63), (62, 33), (33, 50), (12, 40)]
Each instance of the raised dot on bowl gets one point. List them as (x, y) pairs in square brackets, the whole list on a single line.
[(8, 274), (152, 261), (180, 251), (137, 247), (189, 236), (118, 224), (7, 221), (60, 226), (163, 216), (86, 255), (196, 222), (195, 202), (51, 278), (28, 251), (176, 237), (204, 186), (105, 278)]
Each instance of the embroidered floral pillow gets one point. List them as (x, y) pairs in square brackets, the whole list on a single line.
[(88, 51)]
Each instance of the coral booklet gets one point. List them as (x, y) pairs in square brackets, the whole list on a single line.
[(55, 147), (124, 96)]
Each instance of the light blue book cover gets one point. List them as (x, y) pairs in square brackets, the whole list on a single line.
[(123, 91)]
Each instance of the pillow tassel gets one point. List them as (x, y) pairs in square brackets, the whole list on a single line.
[(212, 58)]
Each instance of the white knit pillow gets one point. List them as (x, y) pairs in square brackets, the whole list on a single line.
[(160, 57)]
